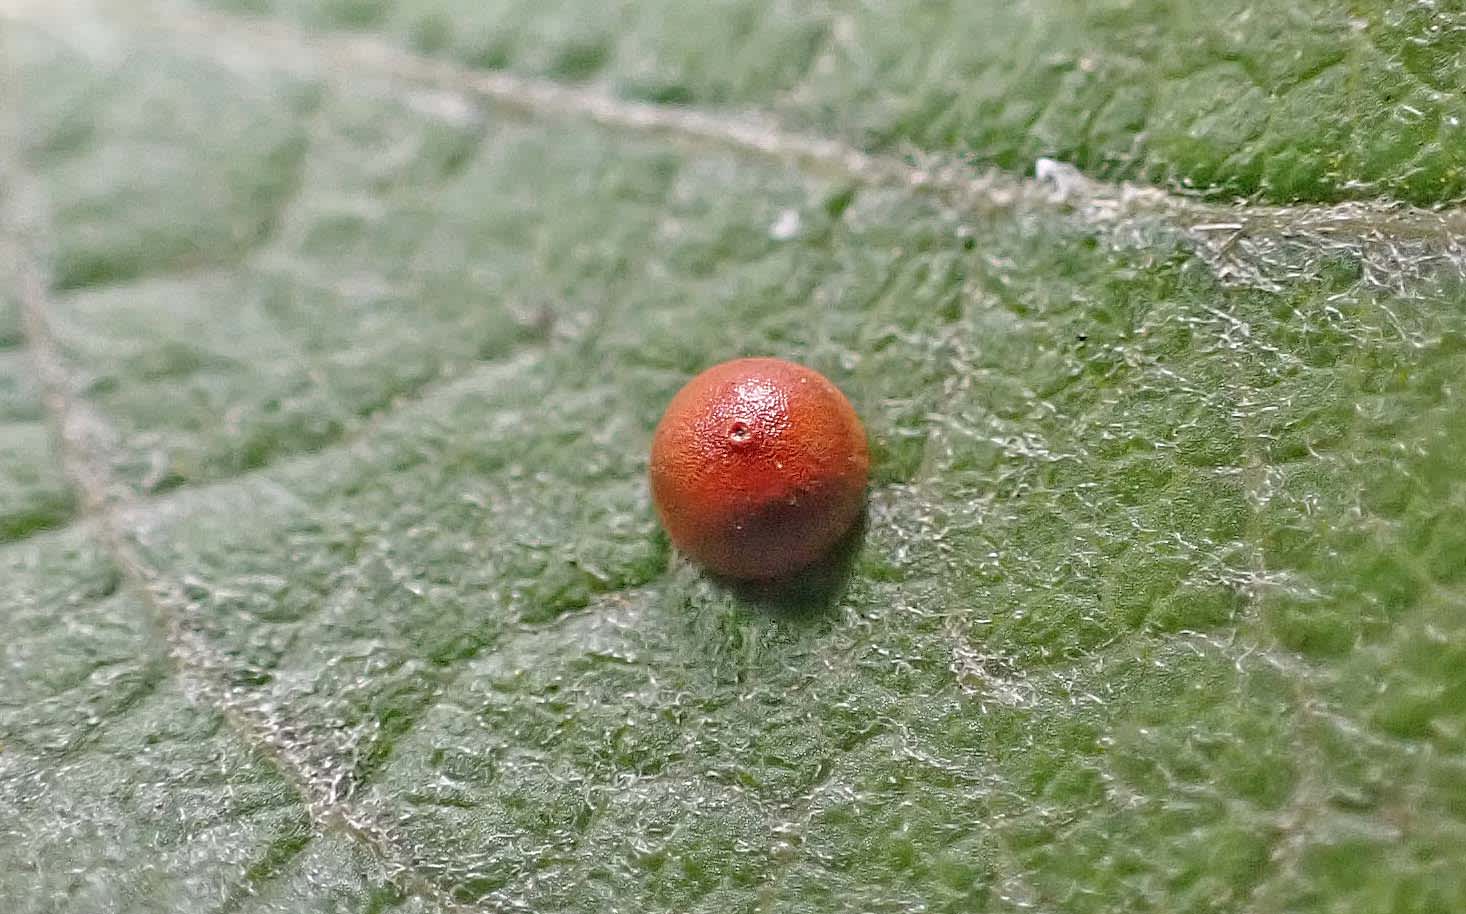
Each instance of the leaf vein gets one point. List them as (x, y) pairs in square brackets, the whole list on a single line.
[(85, 446)]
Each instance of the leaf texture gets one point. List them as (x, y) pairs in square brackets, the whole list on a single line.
[(329, 361)]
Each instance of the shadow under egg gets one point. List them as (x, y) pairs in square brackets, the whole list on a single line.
[(811, 593)]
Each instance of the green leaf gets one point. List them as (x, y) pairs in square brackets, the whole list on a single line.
[(328, 370), (1294, 100)]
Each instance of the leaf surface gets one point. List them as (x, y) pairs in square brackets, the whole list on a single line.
[(333, 584)]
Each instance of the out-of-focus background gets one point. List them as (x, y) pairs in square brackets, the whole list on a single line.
[(332, 333)]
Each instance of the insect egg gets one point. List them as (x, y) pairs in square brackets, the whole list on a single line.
[(758, 467)]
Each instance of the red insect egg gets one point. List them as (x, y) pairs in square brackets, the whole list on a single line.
[(758, 467)]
